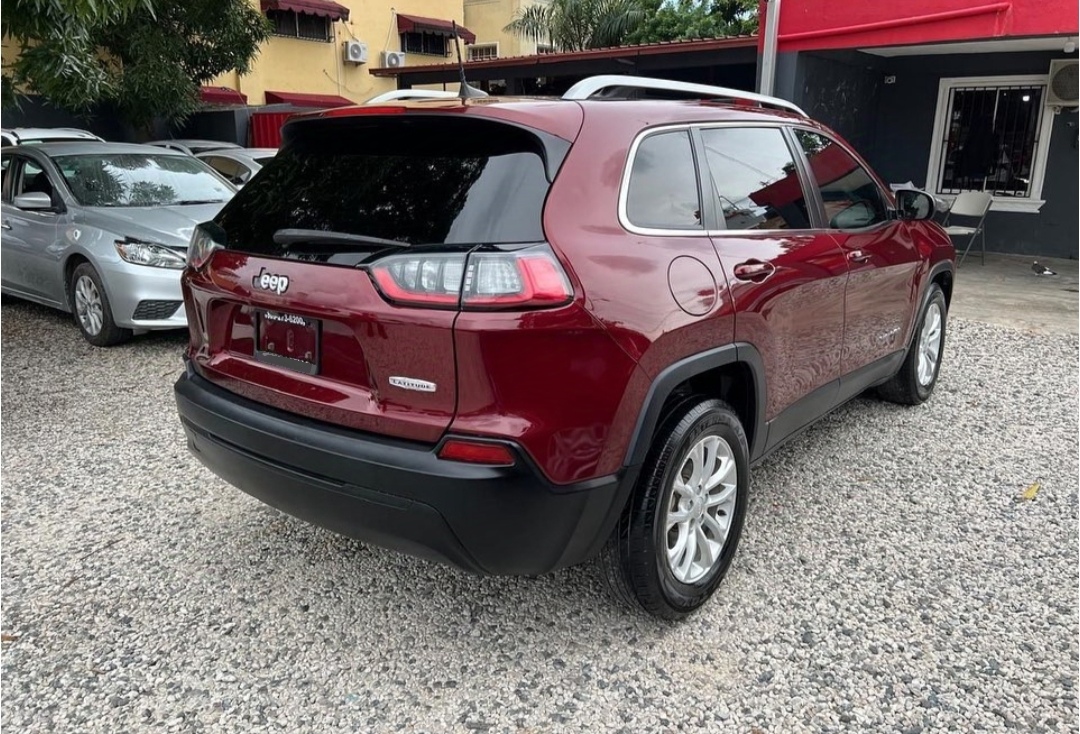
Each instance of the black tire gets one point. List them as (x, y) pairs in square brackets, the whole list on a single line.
[(634, 561), (109, 334), (905, 387)]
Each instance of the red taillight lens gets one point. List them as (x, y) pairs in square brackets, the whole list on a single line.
[(484, 279), (475, 452)]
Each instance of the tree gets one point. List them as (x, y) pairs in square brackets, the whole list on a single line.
[(148, 59), (575, 25), (673, 20)]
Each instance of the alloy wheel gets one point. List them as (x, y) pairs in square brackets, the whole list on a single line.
[(88, 306), (700, 509), (929, 345)]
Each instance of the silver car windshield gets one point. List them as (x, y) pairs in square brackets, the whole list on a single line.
[(140, 179)]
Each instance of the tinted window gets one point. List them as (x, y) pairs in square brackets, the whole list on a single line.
[(663, 189), (413, 180), (852, 199), (33, 179), (756, 183), (138, 179), (227, 167)]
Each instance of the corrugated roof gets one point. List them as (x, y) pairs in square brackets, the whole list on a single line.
[(689, 45)]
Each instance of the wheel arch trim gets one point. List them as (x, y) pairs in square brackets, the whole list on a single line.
[(674, 375)]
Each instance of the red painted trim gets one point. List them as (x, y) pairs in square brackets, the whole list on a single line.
[(898, 22), (307, 100)]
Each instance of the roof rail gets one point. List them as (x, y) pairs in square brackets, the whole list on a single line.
[(411, 94), (594, 85)]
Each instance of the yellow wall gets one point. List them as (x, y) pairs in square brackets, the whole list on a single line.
[(487, 18), (316, 67)]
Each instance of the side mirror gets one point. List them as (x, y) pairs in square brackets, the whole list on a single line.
[(33, 200), (913, 205)]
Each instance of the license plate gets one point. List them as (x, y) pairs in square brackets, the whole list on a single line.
[(287, 340)]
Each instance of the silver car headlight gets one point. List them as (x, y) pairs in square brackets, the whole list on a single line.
[(152, 255), (202, 245)]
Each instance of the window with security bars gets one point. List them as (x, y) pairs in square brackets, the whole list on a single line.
[(300, 25), (990, 139), (483, 51), (431, 44)]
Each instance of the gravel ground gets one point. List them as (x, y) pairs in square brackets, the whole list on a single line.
[(891, 578)]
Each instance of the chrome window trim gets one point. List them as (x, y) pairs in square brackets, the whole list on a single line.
[(624, 219)]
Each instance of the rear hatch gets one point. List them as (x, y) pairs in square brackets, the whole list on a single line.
[(329, 285)]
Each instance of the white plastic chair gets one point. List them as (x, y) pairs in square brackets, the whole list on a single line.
[(971, 205)]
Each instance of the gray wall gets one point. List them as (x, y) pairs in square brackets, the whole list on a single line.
[(892, 126)]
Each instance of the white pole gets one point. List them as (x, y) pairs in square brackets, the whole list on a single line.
[(768, 58)]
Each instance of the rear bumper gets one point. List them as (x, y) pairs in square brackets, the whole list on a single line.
[(395, 494)]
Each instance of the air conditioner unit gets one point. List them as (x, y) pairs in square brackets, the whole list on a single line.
[(355, 52), (393, 59), (1062, 90)]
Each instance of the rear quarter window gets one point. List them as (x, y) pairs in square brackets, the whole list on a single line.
[(662, 191)]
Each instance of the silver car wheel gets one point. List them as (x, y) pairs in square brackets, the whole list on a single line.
[(88, 306), (700, 509), (929, 345)]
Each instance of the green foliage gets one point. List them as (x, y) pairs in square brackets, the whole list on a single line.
[(575, 25), (673, 20), (148, 59)]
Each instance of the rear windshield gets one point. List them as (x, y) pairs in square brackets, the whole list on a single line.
[(412, 179)]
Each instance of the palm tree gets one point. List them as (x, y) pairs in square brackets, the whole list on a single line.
[(575, 25)]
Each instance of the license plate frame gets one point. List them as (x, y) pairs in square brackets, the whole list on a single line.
[(288, 326)]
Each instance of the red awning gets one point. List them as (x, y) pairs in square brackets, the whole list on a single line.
[(322, 8), (307, 100), (416, 24), (222, 96)]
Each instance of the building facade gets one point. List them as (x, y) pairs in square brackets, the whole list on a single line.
[(951, 96)]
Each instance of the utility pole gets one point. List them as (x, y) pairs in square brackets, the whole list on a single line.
[(768, 58)]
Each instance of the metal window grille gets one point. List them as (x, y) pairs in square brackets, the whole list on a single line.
[(483, 51), (991, 137), (300, 25), (432, 44)]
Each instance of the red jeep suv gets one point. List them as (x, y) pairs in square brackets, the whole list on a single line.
[(513, 335)]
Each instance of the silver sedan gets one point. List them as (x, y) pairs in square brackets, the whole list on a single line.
[(102, 230)]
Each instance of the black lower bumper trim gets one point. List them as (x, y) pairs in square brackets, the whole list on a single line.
[(396, 494)]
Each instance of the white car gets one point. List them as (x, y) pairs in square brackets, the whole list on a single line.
[(33, 135), (237, 165)]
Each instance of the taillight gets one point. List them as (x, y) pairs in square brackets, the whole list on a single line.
[(206, 238), (483, 279)]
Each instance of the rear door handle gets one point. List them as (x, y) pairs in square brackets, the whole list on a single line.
[(5, 224), (754, 270), (858, 256)]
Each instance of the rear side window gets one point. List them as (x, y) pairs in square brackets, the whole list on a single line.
[(755, 179), (851, 197), (663, 188), (417, 180)]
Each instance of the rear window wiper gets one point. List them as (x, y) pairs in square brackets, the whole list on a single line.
[(325, 237), (192, 202)]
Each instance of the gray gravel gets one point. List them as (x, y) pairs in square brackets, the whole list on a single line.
[(890, 578)]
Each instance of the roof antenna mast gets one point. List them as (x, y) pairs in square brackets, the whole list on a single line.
[(466, 91)]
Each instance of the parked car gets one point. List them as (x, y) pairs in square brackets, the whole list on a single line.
[(515, 335), (102, 229), (193, 147), (34, 135), (238, 165)]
